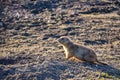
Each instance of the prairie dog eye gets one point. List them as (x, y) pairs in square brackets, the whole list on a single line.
[(62, 38)]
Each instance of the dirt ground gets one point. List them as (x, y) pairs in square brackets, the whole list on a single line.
[(28, 39)]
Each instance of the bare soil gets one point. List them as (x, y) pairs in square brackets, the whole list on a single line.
[(28, 39)]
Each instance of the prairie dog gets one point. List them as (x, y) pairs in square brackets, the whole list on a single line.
[(78, 51)]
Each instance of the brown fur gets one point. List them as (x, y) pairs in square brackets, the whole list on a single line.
[(78, 51)]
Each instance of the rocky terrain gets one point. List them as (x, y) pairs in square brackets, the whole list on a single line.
[(29, 31)]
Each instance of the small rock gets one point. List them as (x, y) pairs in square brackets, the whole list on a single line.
[(2, 40), (26, 34), (1, 23), (69, 28), (68, 22), (79, 20), (72, 33)]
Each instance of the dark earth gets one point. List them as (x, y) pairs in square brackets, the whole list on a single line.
[(29, 30)]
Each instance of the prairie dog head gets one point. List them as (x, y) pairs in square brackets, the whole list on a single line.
[(64, 40)]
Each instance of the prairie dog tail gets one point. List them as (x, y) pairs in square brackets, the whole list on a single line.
[(101, 62)]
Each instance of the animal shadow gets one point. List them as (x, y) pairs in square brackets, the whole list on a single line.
[(104, 68)]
